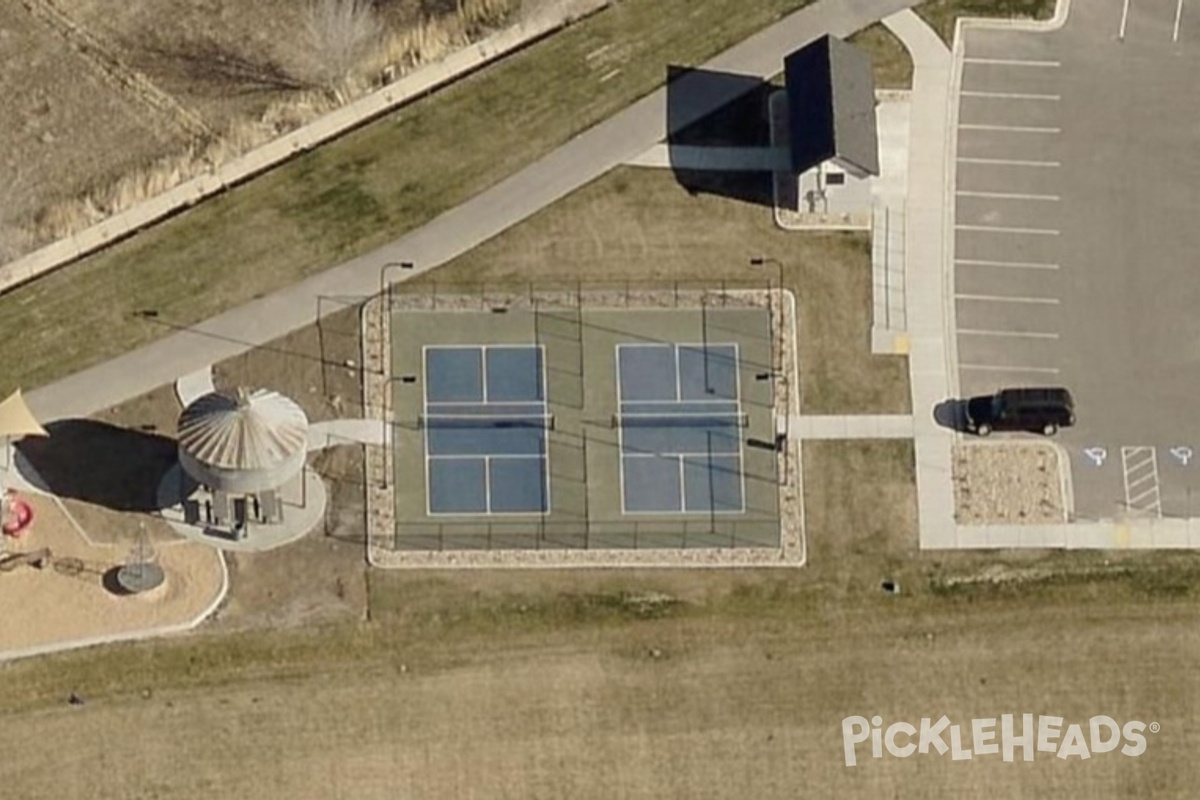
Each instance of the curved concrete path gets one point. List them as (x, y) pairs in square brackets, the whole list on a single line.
[(346, 431), (194, 385), (584, 158)]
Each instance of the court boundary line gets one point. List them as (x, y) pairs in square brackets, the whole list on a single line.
[(543, 403), (622, 453)]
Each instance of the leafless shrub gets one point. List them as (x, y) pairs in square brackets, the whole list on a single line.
[(343, 40), (338, 34), (450, 24)]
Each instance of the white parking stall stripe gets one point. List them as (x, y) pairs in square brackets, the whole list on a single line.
[(1007, 128), (1178, 18), (1011, 95), (1124, 20), (1049, 198), (1012, 62), (978, 262), (1002, 229), (1004, 298), (1009, 368), (1016, 334), (1008, 162)]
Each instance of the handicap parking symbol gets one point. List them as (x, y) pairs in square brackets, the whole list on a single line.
[(1096, 455), (1183, 454)]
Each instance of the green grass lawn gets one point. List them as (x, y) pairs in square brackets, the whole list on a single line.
[(641, 225), (368, 187), (890, 61), (942, 14), (388, 178)]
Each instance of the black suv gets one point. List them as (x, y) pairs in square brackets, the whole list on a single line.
[(1033, 410)]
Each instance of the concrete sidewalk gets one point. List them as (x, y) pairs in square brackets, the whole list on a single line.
[(881, 426), (589, 155), (733, 159), (925, 270)]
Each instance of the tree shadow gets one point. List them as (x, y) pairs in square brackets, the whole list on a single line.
[(695, 132), (215, 69), (98, 463)]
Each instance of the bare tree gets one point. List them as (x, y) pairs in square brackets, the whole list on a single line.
[(338, 35)]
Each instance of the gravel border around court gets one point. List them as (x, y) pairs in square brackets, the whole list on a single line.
[(380, 502), (1022, 483)]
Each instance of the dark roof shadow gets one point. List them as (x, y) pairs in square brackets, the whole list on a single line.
[(740, 120), (99, 463)]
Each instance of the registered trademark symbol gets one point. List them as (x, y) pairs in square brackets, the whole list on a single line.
[(1155, 727)]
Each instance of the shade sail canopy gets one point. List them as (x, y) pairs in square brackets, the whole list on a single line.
[(17, 420)]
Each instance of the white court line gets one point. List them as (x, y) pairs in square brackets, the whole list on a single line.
[(1014, 62), (1008, 162), (1017, 334), (1124, 19), (1010, 95), (1008, 196), (1003, 298), (997, 368), (1007, 128), (1003, 229), (1178, 17), (978, 262)]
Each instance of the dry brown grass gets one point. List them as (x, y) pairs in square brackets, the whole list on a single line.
[(642, 225), (732, 706), (288, 92), (890, 61), (601, 684)]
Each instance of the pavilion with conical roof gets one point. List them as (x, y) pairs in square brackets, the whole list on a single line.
[(242, 446)]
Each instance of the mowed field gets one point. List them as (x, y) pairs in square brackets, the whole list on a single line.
[(640, 225), (648, 685), (601, 684)]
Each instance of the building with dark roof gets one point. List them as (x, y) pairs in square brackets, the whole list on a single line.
[(831, 107)]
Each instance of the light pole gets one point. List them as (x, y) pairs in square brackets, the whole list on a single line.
[(385, 307)]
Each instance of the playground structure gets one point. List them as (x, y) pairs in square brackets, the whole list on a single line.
[(16, 515), (38, 559), (16, 420), (140, 573)]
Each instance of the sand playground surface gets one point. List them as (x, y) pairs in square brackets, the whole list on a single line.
[(73, 598)]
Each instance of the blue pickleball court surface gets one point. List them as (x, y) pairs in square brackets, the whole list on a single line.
[(486, 427), (680, 429)]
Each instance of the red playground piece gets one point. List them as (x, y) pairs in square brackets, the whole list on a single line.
[(18, 519)]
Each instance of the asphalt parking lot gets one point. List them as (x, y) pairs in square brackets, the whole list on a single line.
[(1077, 229)]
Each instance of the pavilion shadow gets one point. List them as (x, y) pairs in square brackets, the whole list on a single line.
[(741, 121), (98, 463)]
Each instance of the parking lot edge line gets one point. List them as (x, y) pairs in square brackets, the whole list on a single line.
[(1003, 229), (970, 126), (1000, 298), (1049, 198), (1012, 62), (976, 262), (1009, 368), (1008, 162), (1011, 95), (1021, 334)]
